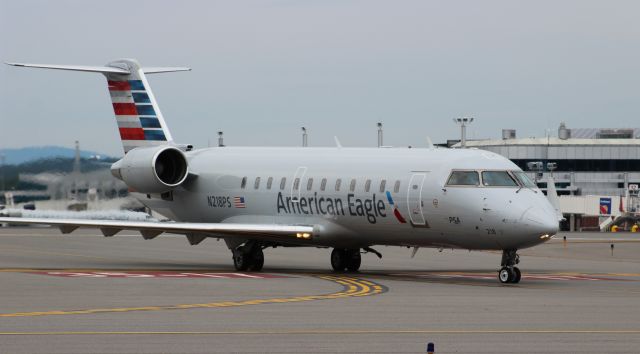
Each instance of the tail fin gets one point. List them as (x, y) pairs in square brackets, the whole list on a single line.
[(139, 119)]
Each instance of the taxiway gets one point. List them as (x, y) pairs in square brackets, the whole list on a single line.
[(83, 293)]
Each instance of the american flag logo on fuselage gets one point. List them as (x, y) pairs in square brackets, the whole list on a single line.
[(238, 202)]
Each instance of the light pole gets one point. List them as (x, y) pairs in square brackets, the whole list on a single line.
[(463, 122), (2, 157), (379, 134), (220, 139)]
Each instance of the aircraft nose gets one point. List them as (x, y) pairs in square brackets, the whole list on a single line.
[(542, 220)]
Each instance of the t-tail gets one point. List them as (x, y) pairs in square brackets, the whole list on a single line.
[(139, 119)]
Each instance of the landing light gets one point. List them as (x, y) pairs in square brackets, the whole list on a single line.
[(545, 237), (304, 235)]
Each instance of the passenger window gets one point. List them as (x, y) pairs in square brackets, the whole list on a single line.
[(323, 184), (243, 183), (396, 187), (498, 179), (383, 184), (283, 182), (367, 185), (309, 184), (269, 182), (296, 184), (353, 185), (256, 185), (338, 183), (464, 178)]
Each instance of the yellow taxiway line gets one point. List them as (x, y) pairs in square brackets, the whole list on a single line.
[(352, 287)]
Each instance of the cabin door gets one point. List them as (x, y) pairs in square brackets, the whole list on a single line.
[(414, 200)]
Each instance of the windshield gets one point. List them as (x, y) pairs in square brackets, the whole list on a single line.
[(524, 179), (497, 179), (464, 178)]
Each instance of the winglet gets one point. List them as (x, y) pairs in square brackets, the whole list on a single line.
[(430, 143), (552, 196), (338, 145)]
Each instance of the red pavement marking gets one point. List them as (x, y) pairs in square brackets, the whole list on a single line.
[(155, 274)]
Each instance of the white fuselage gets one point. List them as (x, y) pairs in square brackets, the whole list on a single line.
[(400, 196)]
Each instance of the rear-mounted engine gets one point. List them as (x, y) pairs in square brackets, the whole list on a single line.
[(156, 169)]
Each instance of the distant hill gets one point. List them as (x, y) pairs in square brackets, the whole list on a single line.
[(22, 155), (10, 174)]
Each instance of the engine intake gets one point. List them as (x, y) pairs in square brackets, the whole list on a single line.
[(156, 169)]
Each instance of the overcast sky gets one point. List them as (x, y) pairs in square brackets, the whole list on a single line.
[(263, 69)]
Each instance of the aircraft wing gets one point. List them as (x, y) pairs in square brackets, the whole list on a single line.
[(150, 229)]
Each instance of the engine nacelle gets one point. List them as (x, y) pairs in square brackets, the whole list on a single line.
[(155, 169)]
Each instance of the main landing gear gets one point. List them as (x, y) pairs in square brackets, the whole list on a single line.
[(249, 257), (509, 273), (349, 259)]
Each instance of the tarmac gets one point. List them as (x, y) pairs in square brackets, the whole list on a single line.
[(84, 293)]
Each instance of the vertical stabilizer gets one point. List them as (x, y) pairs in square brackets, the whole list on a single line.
[(140, 122), (139, 119)]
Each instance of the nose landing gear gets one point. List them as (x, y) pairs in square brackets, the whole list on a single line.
[(509, 273)]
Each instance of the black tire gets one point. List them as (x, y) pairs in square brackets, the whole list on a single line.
[(338, 259), (241, 260), (505, 275), (354, 260), (516, 275), (257, 261)]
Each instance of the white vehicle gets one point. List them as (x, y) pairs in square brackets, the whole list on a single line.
[(350, 199)]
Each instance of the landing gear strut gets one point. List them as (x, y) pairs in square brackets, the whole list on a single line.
[(509, 273), (349, 259), (248, 257)]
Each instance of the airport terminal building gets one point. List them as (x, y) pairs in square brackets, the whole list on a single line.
[(596, 171)]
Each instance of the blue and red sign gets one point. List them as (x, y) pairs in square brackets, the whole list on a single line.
[(605, 206)]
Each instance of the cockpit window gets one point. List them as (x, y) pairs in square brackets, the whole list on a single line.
[(498, 179), (464, 178), (524, 179)]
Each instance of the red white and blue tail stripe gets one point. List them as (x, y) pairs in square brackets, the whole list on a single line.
[(139, 119)]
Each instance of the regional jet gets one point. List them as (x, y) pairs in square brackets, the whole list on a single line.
[(348, 199)]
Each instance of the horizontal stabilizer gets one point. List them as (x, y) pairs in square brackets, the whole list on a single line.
[(159, 70), (101, 69), (91, 69)]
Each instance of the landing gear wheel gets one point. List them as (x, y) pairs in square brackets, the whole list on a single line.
[(241, 260), (339, 259), (509, 273), (248, 257), (354, 260), (505, 275), (516, 275), (257, 260)]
